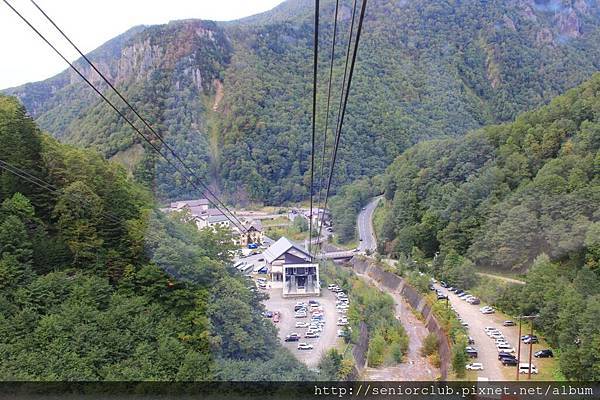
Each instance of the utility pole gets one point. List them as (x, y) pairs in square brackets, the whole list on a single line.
[(530, 318), (530, 349), (519, 349)]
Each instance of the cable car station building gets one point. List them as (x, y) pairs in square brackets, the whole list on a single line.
[(291, 269)]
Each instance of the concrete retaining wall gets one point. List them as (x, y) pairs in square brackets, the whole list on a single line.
[(360, 349), (396, 284)]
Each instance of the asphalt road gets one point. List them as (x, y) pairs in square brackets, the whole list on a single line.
[(365, 226)]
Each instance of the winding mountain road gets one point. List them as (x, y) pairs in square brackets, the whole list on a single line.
[(366, 233), (415, 367)]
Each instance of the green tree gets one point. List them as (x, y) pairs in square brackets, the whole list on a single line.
[(78, 212), (459, 356)]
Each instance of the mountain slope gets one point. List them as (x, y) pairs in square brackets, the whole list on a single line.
[(425, 70), (504, 194), (95, 285)]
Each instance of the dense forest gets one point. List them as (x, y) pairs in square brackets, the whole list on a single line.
[(96, 285), (234, 98), (520, 196)]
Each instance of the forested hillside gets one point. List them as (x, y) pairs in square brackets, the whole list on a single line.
[(505, 193), (522, 196), (96, 285), (234, 98)]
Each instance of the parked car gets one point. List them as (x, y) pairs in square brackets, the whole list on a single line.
[(472, 353), (305, 346), (311, 335), (524, 368), (474, 301), (487, 310), (443, 284), (441, 297), (504, 354), (508, 361), (475, 367), (506, 348), (300, 314), (331, 286), (302, 324), (276, 316), (471, 340), (508, 323), (531, 340), (268, 314), (292, 337), (543, 353)]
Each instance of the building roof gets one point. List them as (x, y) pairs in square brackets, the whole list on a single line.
[(282, 246), (190, 203), (256, 224), (216, 218)]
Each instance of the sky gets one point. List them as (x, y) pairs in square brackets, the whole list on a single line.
[(26, 58)]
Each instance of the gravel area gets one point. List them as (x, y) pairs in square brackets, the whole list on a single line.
[(286, 325), (414, 367), (487, 352)]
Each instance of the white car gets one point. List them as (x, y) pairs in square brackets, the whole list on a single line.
[(305, 346), (342, 323), (524, 368), (331, 286), (300, 315), (505, 348), (302, 324), (311, 335), (475, 367)]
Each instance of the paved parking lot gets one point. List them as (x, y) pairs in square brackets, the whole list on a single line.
[(286, 325), (486, 348)]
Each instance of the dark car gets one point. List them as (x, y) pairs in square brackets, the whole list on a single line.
[(543, 353), (431, 287), (443, 284), (441, 297), (294, 337), (508, 323), (507, 361), (475, 301), (459, 291), (504, 354), (268, 314), (471, 340), (471, 352)]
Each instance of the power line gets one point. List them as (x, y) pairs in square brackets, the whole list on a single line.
[(343, 90), (314, 120), (343, 114), (322, 173), (13, 169), (171, 150), (186, 177)]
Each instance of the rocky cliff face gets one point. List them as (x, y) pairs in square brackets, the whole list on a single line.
[(241, 89)]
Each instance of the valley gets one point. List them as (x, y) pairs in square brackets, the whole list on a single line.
[(189, 202)]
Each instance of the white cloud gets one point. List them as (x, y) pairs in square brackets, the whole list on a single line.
[(25, 58)]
